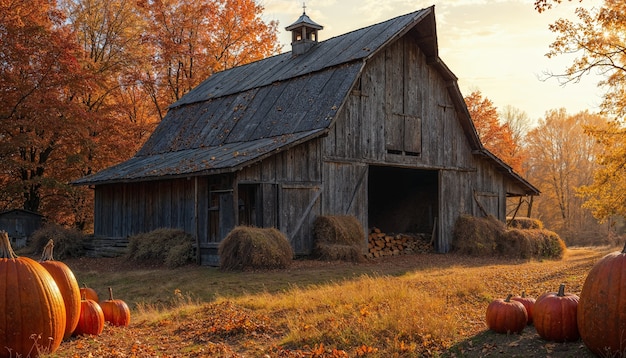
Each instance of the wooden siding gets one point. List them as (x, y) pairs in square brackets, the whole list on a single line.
[(400, 113), (127, 209)]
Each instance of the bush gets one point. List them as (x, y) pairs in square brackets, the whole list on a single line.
[(171, 247), (68, 243), (255, 248), (487, 236), (339, 237)]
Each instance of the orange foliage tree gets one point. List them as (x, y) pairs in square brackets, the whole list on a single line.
[(495, 136), (85, 82), (597, 40), (192, 39), (40, 119), (562, 158)]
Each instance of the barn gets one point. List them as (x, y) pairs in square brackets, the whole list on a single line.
[(20, 225), (370, 124)]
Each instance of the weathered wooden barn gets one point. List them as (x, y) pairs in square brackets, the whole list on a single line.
[(370, 123)]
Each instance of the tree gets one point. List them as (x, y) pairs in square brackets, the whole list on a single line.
[(543, 5), (606, 195), (496, 137), (562, 158), (40, 119), (192, 39), (598, 41)]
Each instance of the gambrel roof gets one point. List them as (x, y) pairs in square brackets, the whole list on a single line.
[(242, 115)]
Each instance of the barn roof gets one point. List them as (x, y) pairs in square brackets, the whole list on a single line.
[(245, 114)]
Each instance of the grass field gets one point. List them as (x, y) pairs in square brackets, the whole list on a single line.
[(408, 306)]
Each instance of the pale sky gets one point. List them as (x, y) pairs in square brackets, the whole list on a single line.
[(495, 46)]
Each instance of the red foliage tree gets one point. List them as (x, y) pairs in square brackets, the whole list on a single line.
[(496, 137)]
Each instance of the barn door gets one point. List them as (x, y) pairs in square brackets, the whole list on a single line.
[(299, 205)]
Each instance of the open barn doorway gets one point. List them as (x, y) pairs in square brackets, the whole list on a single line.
[(403, 201)]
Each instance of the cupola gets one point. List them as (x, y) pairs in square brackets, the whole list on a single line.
[(303, 33)]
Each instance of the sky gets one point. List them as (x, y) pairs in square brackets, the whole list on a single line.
[(497, 47)]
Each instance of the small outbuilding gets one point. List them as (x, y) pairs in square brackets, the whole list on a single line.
[(370, 124), (20, 225)]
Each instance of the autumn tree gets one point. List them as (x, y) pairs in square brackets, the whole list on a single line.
[(40, 119), (605, 196), (85, 81), (192, 39), (597, 40), (495, 136), (561, 159)]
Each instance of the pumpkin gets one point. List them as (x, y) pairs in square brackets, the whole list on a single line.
[(32, 313), (528, 303), (506, 316), (65, 279), (602, 306), (89, 293), (116, 312), (91, 319), (554, 316)]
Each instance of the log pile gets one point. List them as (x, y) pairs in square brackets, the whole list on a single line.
[(384, 244)]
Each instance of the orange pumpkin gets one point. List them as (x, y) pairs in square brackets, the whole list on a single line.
[(65, 279), (528, 303), (554, 316), (116, 312), (91, 319), (602, 306), (89, 293), (31, 305), (506, 316)]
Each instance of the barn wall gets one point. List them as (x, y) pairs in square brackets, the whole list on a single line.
[(291, 184), (400, 114), (127, 209)]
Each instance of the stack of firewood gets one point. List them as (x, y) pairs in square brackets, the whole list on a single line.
[(383, 244)]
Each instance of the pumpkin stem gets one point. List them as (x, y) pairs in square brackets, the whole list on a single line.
[(110, 294), (561, 292), (624, 249), (6, 251), (523, 294), (508, 298), (46, 255)]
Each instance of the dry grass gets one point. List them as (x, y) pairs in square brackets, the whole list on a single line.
[(415, 305)]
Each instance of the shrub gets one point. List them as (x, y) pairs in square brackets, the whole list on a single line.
[(339, 237), (255, 248), (171, 247), (68, 243)]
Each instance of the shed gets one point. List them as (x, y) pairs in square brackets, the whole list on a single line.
[(20, 225), (370, 124)]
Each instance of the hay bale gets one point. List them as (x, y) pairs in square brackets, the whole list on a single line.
[(255, 248), (477, 236), (339, 237), (517, 243), (550, 245), (524, 223), (488, 236)]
